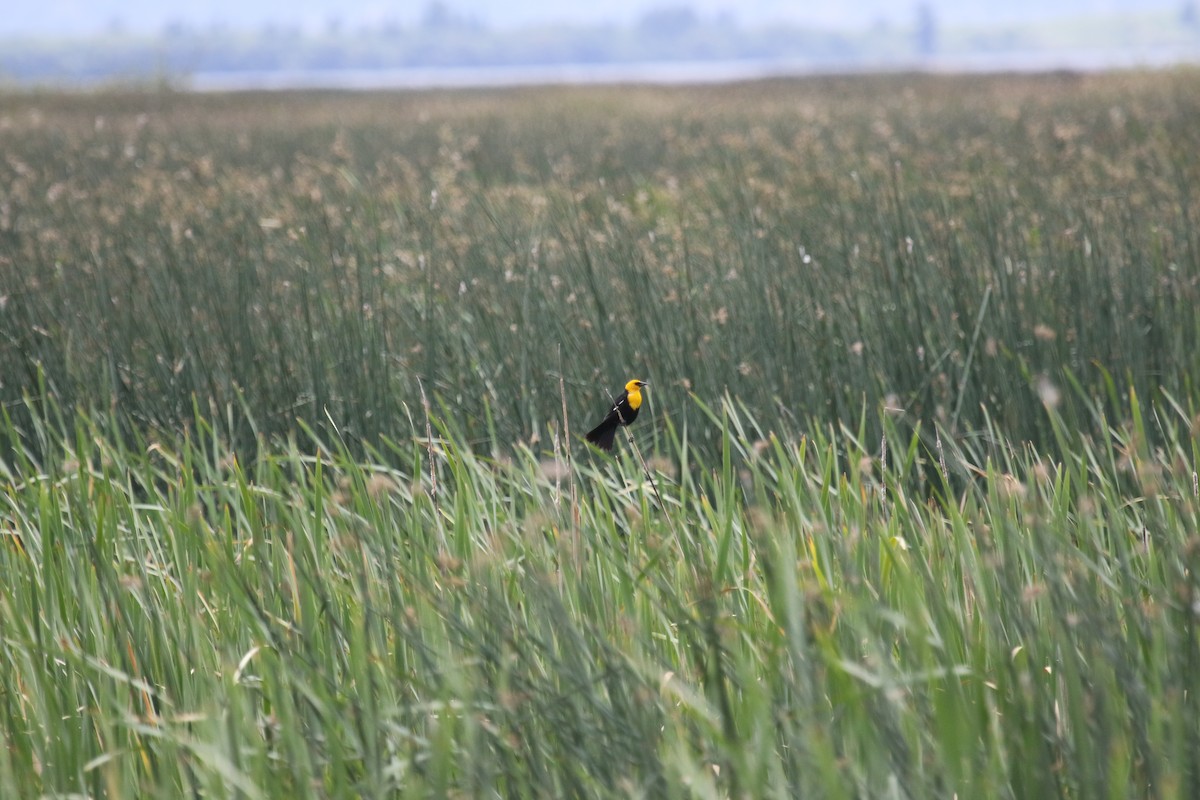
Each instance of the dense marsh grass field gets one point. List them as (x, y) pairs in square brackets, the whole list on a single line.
[(292, 501), (934, 245)]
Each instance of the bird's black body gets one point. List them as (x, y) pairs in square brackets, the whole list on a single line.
[(623, 412)]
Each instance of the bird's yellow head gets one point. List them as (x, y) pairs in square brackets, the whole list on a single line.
[(633, 390)]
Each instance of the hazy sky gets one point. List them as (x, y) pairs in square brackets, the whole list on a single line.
[(49, 17)]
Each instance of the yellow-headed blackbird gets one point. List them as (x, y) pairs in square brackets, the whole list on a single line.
[(623, 412)]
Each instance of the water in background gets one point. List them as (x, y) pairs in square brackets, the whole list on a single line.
[(681, 72)]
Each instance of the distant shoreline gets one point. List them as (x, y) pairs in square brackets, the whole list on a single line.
[(680, 72)]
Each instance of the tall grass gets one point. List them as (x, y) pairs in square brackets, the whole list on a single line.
[(958, 248), (288, 505), (791, 621)]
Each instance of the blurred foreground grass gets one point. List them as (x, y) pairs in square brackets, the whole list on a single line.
[(790, 622)]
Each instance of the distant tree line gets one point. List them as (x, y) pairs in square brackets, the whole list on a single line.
[(441, 39), (444, 37)]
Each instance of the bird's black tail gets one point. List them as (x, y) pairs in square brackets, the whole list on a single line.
[(603, 434)]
